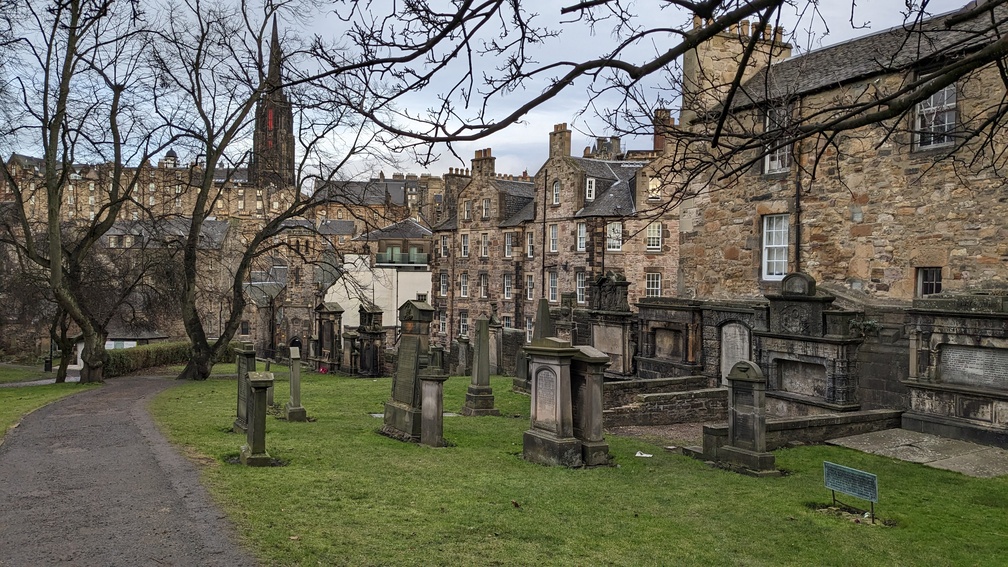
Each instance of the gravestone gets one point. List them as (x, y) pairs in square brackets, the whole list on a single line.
[(403, 411), (496, 342), (253, 453), (586, 384), (746, 446), (479, 398), (432, 405), (294, 410), (464, 366), (245, 361), (371, 338)]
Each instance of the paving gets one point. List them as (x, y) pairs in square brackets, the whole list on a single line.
[(89, 480), (939, 452)]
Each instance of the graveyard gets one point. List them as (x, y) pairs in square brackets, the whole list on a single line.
[(343, 493)]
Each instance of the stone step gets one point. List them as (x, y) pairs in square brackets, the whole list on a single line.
[(666, 408), (622, 392)]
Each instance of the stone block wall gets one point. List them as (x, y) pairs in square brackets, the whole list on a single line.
[(669, 408)]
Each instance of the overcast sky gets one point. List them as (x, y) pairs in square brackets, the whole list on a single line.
[(524, 146)]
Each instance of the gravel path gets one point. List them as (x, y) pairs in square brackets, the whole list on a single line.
[(89, 480)]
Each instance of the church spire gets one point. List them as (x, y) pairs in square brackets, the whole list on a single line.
[(273, 72), (272, 160)]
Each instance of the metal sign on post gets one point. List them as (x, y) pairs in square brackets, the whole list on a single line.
[(859, 484)]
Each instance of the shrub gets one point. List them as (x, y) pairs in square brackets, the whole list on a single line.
[(129, 360)]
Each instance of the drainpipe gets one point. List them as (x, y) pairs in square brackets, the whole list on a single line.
[(542, 245), (797, 202)]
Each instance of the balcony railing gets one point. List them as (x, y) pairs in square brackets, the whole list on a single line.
[(401, 259)]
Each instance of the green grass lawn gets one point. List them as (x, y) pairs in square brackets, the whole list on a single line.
[(349, 496), (10, 373), (16, 401)]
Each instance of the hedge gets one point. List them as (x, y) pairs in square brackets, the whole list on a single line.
[(129, 360)]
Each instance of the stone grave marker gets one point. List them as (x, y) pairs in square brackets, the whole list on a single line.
[(747, 422), (403, 411), (253, 453), (295, 412), (479, 398), (246, 362)]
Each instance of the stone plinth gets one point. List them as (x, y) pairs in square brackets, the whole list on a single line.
[(245, 361), (432, 410), (586, 383), (746, 446), (253, 453), (295, 412), (403, 411), (479, 398)]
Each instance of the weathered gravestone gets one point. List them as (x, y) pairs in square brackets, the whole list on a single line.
[(253, 453), (746, 446), (432, 403), (294, 410), (245, 360), (403, 411), (479, 398)]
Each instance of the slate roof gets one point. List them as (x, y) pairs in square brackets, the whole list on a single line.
[(232, 174), (408, 229), (450, 223), (336, 227), (372, 192), (615, 187), (212, 233), (878, 53), (524, 214)]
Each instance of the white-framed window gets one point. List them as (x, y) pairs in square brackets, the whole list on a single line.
[(590, 189), (150, 201), (444, 246), (528, 329), (508, 244), (484, 245), (467, 210), (614, 236), (580, 280), (529, 287), (929, 281), (464, 323), (465, 245), (507, 322), (654, 189), (775, 247), (935, 119), (652, 284), (508, 281), (484, 285), (556, 192), (553, 286), (531, 245), (653, 239), (443, 321), (339, 214), (554, 236), (778, 157), (464, 284), (486, 208), (444, 284), (582, 236)]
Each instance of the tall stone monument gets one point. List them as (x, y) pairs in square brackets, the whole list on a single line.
[(253, 453), (246, 362), (403, 411), (479, 397), (295, 412)]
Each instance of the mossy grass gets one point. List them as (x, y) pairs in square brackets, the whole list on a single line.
[(16, 401), (349, 496)]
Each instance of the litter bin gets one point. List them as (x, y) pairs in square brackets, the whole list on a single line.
[(48, 364)]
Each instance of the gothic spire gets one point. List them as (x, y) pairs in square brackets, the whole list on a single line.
[(273, 73)]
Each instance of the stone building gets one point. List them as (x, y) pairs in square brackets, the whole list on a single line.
[(900, 231)]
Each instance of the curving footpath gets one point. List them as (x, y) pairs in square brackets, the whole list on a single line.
[(89, 480)]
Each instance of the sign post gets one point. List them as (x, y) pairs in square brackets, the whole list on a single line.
[(852, 482)]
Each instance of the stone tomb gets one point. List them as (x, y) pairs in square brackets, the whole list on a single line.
[(403, 411), (479, 398), (746, 446), (612, 323), (371, 339)]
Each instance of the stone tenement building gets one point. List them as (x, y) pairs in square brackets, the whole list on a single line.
[(903, 229), (513, 240)]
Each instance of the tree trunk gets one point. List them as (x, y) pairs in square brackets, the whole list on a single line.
[(200, 363), (94, 358)]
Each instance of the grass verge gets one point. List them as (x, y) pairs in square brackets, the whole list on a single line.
[(10, 373), (349, 496), (15, 402)]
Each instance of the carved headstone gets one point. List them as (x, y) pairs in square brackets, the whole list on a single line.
[(403, 411), (746, 446), (295, 412), (245, 361)]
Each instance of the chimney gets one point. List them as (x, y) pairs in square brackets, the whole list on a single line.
[(560, 141), (663, 123), (483, 164)]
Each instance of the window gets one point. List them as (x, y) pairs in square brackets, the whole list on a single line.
[(654, 189), (484, 245), (580, 279), (150, 201), (654, 236), (339, 213), (531, 245), (528, 329), (929, 281), (421, 297), (554, 237), (553, 286), (486, 208), (464, 284), (506, 321), (444, 284), (652, 284), (244, 328), (778, 157), (775, 247), (582, 236), (590, 189), (556, 192), (468, 210), (508, 280), (483, 285), (508, 244), (529, 286), (444, 246), (614, 236), (464, 323), (443, 321), (465, 245), (936, 118)]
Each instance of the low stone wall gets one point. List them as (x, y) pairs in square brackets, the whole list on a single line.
[(622, 392), (809, 430), (668, 408)]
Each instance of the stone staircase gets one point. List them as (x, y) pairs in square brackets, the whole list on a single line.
[(663, 401)]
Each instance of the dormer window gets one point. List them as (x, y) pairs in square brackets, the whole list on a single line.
[(556, 192), (935, 119), (654, 189), (590, 189), (778, 156)]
